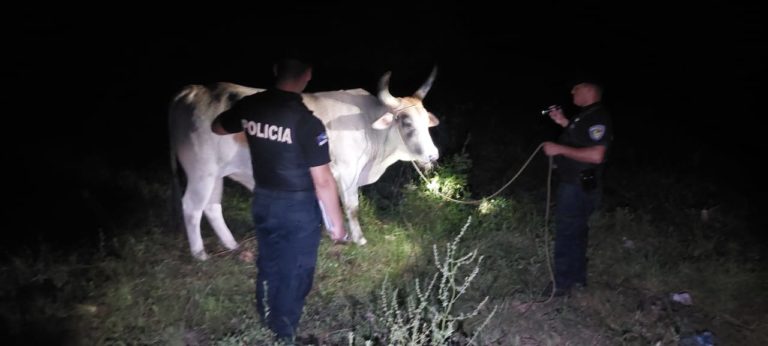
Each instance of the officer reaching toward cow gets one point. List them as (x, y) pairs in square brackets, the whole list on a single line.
[(295, 189), (366, 134)]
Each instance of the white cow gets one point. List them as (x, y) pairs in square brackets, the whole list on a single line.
[(366, 135)]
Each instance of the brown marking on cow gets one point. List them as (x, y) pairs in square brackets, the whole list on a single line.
[(409, 101)]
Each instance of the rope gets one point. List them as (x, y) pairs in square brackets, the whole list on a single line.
[(476, 201), (546, 214), (546, 234)]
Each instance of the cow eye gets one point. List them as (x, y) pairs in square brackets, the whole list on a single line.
[(407, 121)]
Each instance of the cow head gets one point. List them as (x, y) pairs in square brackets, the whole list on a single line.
[(411, 119)]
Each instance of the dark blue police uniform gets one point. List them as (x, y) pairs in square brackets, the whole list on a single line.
[(578, 194), (285, 140)]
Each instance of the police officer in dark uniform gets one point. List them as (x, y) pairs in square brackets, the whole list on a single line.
[(579, 156), (289, 155)]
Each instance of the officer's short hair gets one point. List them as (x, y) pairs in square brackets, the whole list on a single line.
[(592, 78), (290, 68)]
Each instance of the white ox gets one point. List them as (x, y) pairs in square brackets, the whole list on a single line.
[(366, 135)]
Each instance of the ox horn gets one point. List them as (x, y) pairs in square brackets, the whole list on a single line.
[(384, 94), (422, 92)]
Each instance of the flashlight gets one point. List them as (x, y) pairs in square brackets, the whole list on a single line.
[(549, 109)]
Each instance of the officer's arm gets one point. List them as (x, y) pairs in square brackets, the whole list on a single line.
[(594, 154), (231, 118), (217, 128), (325, 188)]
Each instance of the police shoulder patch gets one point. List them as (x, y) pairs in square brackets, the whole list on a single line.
[(322, 138), (597, 132)]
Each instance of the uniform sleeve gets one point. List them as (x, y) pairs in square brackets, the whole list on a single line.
[(599, 130), (314, 141), (231, 119)]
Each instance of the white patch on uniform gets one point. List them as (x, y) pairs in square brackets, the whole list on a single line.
[(597, 132), (322, 139)]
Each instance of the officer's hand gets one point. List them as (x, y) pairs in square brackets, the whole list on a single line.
[(340, 236), (557, 115), (551, 149)]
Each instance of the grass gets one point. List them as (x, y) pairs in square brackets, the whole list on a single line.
[(139, 286)]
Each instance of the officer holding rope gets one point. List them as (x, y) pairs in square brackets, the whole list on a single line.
[(579, 155)]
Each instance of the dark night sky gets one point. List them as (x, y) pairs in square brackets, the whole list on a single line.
[(91, 85)]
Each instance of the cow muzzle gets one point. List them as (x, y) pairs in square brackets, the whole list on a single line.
[(428, 160)]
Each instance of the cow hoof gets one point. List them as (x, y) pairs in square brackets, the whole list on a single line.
[(233, 246), (200, 255), (361, 241)]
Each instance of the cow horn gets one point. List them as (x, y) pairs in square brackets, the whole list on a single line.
[(384, 94), (422, 92)]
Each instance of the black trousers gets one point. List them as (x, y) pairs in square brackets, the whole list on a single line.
[(288, 234), (574, 206)]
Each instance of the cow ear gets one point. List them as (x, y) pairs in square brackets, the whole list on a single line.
[(384, 122), (433, 121)]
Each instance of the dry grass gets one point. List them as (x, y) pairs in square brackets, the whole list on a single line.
[(140, 286)]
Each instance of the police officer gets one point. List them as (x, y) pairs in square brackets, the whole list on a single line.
[(579, 156), (290, 159)]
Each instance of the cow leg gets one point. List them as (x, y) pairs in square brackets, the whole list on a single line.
[(351, 207), (216, 218), (195, 199)]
